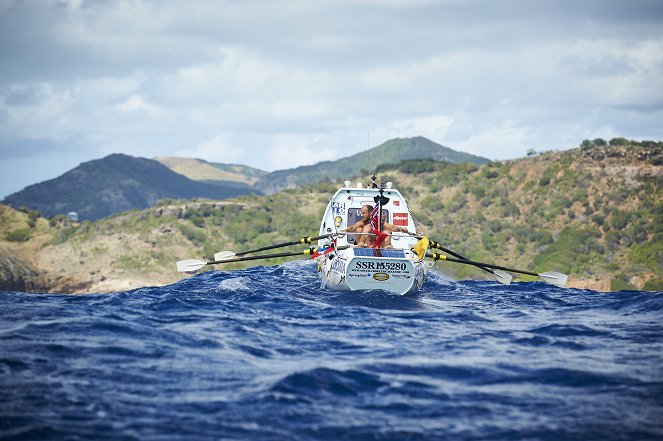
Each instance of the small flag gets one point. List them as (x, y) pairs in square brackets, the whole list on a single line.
[(326, 250), (376, 227), (375, 214)]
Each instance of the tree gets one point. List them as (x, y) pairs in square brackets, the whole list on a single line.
[(618, 142), (586, 144), (600, 142), (531, 153)]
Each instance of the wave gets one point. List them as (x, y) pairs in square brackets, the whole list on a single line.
[(267, 353)]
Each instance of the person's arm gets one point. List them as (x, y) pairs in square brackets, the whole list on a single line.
[(395, 229), (352, 228)]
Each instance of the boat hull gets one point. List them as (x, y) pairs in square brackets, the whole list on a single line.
[(396, 271)]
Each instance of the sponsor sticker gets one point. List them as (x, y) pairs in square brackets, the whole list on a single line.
[(381, 277), (338, 208), (401, 219), (338, 265)]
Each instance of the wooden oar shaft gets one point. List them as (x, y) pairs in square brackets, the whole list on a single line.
[(263, 256), (304, 240), (396, 234), (270, 256), (437, 245), (437, 256), (193, 265)]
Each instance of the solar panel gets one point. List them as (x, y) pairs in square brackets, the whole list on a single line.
[(379, 252)]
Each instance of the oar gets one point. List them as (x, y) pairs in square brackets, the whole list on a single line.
[(225, 255), (193, 265), (500, 276), (553, 278)]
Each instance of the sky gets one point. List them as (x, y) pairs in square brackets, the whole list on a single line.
[(279, 84)]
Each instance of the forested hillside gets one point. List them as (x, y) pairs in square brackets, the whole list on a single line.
[(595, 213), (390, 152)]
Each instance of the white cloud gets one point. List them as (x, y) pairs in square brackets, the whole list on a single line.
[(292, 150), (220, 148), (276, 85), (37, 110), (434, 127), (137, 103), (503, 141)]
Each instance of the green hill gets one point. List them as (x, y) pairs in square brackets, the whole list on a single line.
[(595, 213), (99, 188), (390, 152)]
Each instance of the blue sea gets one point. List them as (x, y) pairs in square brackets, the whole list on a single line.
[(266, 354)]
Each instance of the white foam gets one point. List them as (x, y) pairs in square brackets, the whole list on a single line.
[(298, 263), (235, 284), (440, 278)]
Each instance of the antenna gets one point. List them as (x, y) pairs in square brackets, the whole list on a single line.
[(368, 150)]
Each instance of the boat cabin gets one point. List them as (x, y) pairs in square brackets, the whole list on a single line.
[(344, 210)]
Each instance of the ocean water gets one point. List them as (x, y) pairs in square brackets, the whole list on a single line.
[(265, 354)]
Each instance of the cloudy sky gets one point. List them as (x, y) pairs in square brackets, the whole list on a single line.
[(277, 84)]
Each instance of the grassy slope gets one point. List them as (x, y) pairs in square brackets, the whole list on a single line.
[(200, 170), (595, 214)]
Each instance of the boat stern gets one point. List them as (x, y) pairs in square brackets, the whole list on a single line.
[(375, 268)]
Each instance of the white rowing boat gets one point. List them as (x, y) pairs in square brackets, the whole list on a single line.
[(343, 265)]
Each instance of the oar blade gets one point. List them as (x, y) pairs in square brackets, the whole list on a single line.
[(502, 277), (224, 255), (553, 278), (190, 265)]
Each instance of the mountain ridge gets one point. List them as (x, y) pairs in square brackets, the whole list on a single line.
[(115, 183), (391, 151)]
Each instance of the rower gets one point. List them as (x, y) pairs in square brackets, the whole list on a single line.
[(387, 227), (363, 225)]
